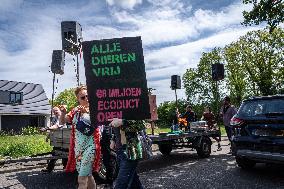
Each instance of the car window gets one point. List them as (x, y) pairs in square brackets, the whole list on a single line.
[(261, 107)]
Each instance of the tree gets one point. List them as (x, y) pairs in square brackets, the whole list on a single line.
[(237, 79), (167, 110), (198, 83), (262, 58), (67, 97), (270, 11)]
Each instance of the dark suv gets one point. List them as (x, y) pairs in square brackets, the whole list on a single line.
[(258, 131)]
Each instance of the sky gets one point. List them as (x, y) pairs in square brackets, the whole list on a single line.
[(174, 35)]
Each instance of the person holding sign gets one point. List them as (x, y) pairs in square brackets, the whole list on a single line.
[(84, 151), (129, 151)]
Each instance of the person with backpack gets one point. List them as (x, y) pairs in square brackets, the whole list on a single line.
[(129, 151)]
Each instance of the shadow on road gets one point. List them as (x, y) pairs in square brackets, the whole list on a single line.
[(182, 169), (186, 170)]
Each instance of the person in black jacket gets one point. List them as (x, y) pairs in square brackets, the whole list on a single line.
[(189, 115)]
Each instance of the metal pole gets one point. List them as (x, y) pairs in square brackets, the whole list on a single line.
[(78, 78), (176, 98), (52, 98), (217, 99), (152, 127)]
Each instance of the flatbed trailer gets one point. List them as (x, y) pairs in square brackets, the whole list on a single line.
[(199, 140)]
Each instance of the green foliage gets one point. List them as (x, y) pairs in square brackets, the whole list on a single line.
[(67, 97), (19, 146), (254, 65), (255, 62), (167, 112), (199, 86), (270, 11), (30, 130)]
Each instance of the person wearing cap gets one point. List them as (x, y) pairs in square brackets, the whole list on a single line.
[(227, 112)]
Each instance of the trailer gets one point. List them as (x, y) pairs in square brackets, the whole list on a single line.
[(197, 137)]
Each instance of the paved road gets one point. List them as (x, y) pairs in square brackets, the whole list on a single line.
[(183, 169)]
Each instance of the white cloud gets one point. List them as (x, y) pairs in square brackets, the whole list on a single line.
[(168, 23), (172, 22), (8, 5), (175, 60), (125, 4)]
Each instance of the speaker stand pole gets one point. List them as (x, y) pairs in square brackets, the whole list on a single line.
[(52, 98), (78, 77), (176, 98), (217, 98)]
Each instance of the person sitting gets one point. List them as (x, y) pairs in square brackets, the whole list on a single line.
[(189, 115), (175, 120)]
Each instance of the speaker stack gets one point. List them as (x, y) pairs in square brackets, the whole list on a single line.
[(71, 34), (58, 62), (175, 82), (217, 72)]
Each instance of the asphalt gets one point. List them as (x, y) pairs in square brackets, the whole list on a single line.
[(181, 170)]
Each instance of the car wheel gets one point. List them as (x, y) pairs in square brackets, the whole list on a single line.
[(245, 163)]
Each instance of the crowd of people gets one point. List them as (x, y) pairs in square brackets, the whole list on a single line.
[(85, 149)]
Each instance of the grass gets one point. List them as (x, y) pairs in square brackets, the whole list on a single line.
[(23, 145)]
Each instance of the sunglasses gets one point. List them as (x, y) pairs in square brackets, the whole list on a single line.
[(84, 97)]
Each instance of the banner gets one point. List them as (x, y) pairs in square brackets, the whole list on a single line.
[(116, 79)]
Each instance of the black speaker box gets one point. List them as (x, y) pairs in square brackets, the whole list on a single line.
[(58, 62), (71, 34), (217, 72), (175, 82)]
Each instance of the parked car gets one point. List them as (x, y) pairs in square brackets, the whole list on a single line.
[(258, 131)]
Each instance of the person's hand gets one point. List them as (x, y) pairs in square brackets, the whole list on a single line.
[(43, 129), (63, 109), (115, 122), (79, 157)]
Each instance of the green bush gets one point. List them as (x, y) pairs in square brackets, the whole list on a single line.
[(30, 131), (19, 146)]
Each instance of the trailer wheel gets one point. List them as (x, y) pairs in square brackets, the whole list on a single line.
[(165, 149), (204, 150)]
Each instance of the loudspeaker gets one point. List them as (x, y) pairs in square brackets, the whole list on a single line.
[(71, 34), (217, 72), (58, 62), (175, 82)]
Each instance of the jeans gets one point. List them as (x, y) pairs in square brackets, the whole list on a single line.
[(127, 176), (229, 132)]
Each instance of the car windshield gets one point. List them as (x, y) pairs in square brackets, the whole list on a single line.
[(264, 107)]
